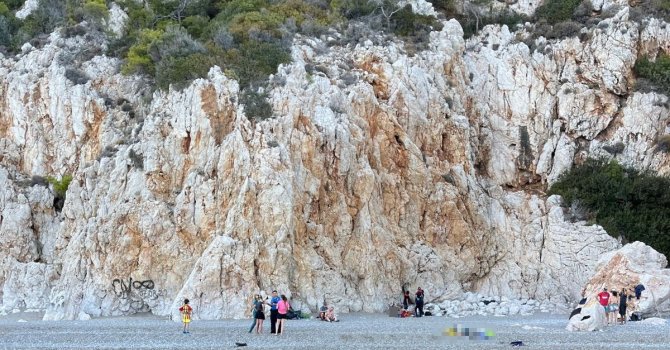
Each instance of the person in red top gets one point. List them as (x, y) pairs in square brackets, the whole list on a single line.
[(186, 310), (604, 298)]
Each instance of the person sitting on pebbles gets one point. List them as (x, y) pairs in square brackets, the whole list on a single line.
[(330, 315), (323, 311)]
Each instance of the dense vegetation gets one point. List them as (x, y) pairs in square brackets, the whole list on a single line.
[(626, 202), (555, 11), (176, 41), (654, 74)]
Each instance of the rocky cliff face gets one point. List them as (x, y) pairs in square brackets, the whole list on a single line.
[(380, 170)]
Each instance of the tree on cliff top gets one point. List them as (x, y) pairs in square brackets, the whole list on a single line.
[(628, 203)]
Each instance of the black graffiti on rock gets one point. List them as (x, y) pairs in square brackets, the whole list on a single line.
[(123, 289)]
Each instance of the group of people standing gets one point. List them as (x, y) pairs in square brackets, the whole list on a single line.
[(615, 303), (418, 303), (279, 307)]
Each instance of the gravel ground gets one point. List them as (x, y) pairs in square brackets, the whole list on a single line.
[(356, 331)]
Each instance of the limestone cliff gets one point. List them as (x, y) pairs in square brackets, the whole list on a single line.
[(379, 170)]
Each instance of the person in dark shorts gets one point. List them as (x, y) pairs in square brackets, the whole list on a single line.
[(623, 302), (283, 307), (260, 315)]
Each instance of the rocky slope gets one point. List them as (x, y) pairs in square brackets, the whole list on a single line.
[(380, 170)]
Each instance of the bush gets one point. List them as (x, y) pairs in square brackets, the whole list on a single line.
[(301, 11), (650, 8), (555, 11), (656, 72), (37, 180), (195, 25), (43, 20), (76, 76), (95, 12), (623, 200), (256, 106), (559, 30), (233, 8), (254, 61), (179, 71), (5, 32), (60, 190), (614, 149), (61, 186), (447, 6), (407, 23), (471, 25), (262, 24), (138, 60), (137, 160), (352, 9), (175, 42), (4, 9)]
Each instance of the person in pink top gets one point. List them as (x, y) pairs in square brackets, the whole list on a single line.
[(282, 310)]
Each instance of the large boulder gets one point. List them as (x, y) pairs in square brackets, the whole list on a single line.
[(589, 316), (633, 264)]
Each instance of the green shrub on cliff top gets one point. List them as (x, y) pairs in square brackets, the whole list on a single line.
[(60, 186), (555, 11), (247, 38), (626, 202), (4, 9), (657, 72)]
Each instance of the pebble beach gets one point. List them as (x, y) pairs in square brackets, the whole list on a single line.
[(355, 331)]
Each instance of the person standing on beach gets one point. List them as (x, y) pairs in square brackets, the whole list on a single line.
[(406, 300), (604, 298), (260, 315), (273, 312), (282, 309), (186, 311), (254, 307), (612, 308), (623, 303), (418, 299)]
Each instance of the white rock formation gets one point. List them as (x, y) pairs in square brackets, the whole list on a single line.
[(591, 317), (117, 20), (469, 304), (28, 7), (420, 6), (633, 264), (381, 170)]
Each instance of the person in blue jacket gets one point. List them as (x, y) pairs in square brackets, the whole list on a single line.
[(273, 312)]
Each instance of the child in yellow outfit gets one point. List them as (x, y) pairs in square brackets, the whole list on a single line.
[(186, 315)]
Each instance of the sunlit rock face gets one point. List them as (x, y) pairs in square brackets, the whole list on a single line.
[(380, 170)]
